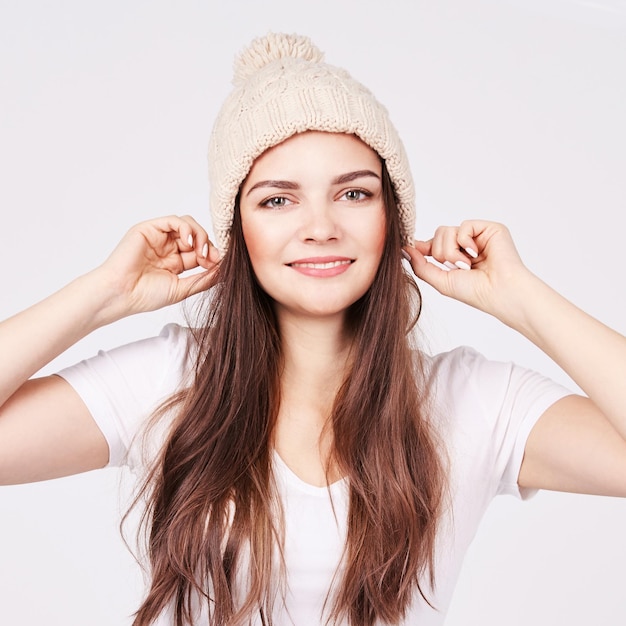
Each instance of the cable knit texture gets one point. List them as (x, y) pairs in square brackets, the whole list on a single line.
[(282, 87)]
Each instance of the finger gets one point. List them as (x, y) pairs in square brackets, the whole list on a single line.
[(213, 255), (438, 244), (467, 234), (190, 260), (184, 231), (426, 271), (420, 255), (204, 253), (425, 247), (196, 283), (186, 236), (200, 237), (446, 249), (170, 229)]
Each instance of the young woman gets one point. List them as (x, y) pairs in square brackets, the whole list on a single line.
[(299, 462)]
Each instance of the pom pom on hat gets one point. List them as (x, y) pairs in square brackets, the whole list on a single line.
[(282, 87), (275, 46)]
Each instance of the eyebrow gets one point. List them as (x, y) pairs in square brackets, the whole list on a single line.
[(287, 184), (278, 184), (350, 176)]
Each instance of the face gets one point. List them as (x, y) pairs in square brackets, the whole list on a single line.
[(313, 221)]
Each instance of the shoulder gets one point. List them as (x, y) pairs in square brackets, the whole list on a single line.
[(136, 374), (464, 380), (170, 351), (164, 361), (173, 339), (464, 368), (123, 387), (484, 410), (461, 357)]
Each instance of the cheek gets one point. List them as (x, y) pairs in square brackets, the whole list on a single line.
[(253, 239), (377, 235), (380, 240), (264, 249)]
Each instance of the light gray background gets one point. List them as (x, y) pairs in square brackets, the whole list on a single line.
[(510, 110)]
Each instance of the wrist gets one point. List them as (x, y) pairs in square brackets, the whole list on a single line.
[(522, 302), (103, 296)]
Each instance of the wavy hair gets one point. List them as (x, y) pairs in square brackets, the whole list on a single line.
[(213, 519)]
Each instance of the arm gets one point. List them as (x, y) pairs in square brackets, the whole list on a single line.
[(579, 444), (45, 429)]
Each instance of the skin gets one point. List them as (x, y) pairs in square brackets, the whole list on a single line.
[(578, 444), (329, 212), (46, 431)]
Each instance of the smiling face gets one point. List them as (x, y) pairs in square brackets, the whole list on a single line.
[(313, 220)]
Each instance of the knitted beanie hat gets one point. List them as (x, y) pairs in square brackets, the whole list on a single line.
[(281, 88)]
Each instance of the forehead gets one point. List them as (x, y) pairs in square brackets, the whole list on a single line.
[(316, 151)]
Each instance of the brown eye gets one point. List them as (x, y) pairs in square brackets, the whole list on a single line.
[(277, 202), (356, 195)]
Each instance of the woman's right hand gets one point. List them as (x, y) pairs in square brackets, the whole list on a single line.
[(142, 274), (46, 430), (144, 269)]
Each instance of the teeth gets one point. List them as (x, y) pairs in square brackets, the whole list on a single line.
[(321, 266)]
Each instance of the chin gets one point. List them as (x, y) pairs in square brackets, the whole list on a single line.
[(317, 309)]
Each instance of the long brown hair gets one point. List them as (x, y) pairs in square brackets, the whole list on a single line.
[(211, 498)]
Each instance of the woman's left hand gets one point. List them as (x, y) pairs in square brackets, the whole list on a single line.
[(579, 444), (485, 248)]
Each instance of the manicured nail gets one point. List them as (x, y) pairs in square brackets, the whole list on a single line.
[(450, 266), (205, 250), (462, 265), (190, 241), (405, 254), (471, 252)]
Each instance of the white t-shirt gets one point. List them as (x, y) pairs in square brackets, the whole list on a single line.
[(485, 411)]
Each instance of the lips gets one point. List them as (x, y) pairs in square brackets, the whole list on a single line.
[(322, 266)]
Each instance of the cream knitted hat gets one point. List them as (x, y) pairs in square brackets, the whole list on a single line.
[(282, 87)]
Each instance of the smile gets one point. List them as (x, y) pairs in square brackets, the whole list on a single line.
[(321, 266)]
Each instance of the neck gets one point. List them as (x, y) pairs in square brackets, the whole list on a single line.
[(315, 354)]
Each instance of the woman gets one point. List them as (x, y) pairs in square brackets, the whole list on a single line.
[(302, 464)]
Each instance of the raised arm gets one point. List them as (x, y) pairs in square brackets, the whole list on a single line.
[(45, 429), (579, 444)]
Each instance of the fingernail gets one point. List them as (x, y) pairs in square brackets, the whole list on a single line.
[(205, 250), (190, 241), (450, 266), (462, 265), (471, 252), (405, 254)]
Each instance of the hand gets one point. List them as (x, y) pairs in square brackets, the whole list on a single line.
[(483, 268), (144, 268)]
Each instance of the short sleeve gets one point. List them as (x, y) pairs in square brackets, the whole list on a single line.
[(523, 397), (491, 409), (123, 387)]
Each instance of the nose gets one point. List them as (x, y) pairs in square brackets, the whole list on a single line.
[(320, 223)]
